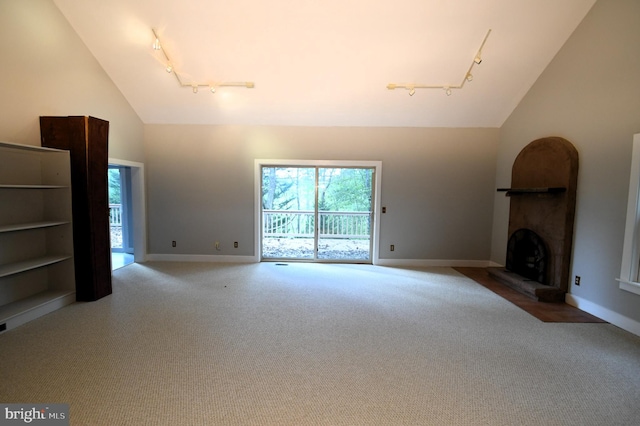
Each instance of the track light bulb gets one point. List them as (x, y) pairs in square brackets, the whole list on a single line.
[(477, 59), (195, 86)]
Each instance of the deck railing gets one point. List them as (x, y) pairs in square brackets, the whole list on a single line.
[(115, 214), (301, 224)]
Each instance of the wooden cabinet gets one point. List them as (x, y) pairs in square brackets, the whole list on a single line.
[(86, 138), (36, 245)]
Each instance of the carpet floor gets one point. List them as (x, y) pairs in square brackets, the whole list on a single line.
[(317, 344)]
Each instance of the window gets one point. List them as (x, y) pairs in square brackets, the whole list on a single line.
[(630, 269)]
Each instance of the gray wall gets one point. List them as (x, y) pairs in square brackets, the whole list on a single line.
[(47, 70), (590, 95), (437, 185)]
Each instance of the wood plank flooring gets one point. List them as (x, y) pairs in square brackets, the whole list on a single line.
[(546, 312)]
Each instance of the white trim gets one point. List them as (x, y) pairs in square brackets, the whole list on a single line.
[(426, 263), (125, 163), (423, 263), (629, 286), (376, 165), (629, 265), (201, 258), (138, 197), (625, 323)]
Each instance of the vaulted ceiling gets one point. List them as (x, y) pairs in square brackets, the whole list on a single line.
[(325, 63)]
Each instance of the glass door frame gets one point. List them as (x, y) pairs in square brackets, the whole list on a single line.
[(321, 255), (375, 210), (138, 206)]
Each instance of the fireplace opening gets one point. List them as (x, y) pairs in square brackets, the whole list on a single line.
[(527, 255)]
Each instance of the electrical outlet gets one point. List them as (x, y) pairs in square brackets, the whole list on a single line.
[(393, 247), (217, 245), (384, 210), (173, 243), (235, 244), (577, 280)]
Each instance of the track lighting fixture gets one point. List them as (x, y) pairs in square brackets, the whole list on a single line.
[(477, 59), (194, 85)]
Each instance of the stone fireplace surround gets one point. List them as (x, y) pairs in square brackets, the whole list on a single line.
[(542, 210)]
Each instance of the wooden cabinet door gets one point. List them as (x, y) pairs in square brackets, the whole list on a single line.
[(87, 140)]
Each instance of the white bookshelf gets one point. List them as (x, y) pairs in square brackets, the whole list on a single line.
[(36, 236)]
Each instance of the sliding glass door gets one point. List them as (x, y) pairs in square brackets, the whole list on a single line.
[(317, 213), (344, 214), (288, 212)]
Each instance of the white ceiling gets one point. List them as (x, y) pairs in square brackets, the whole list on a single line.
[(325, 63)]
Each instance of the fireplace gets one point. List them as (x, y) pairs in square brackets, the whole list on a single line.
[(541, 214), (527, 255)]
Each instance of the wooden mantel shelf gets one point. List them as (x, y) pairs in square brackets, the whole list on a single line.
[(520, 191)]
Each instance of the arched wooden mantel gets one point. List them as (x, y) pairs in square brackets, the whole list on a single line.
[(543, 198)]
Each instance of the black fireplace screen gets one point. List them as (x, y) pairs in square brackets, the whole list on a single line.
[(526, 255)]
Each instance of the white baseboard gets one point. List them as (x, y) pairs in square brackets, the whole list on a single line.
[(200, 258), (426, 263), (625, 323)]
